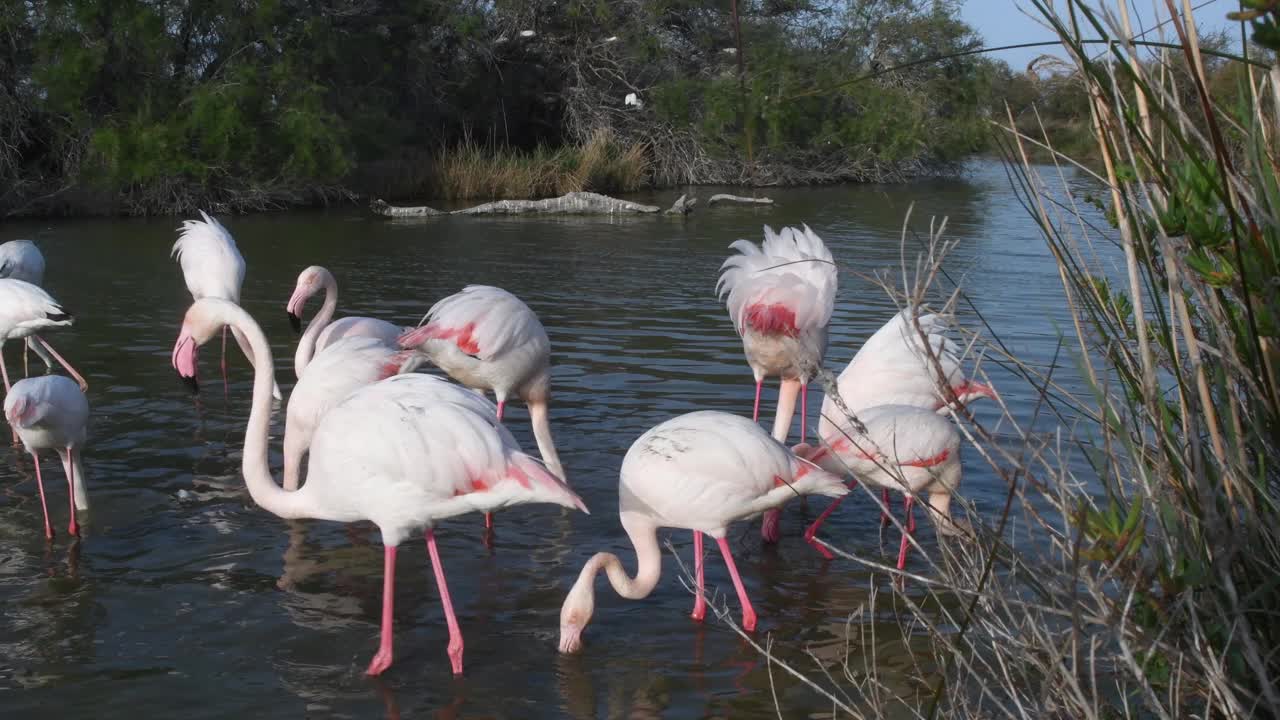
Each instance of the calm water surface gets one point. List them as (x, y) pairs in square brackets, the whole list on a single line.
[(184, 598)]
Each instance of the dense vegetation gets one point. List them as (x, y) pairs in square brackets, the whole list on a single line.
[(148, 106)]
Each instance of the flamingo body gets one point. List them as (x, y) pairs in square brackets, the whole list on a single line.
[(25, 311), (51, 413), (22, 260)]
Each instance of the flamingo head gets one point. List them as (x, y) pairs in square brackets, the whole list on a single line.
[(310, 282), (970, 390), (204, 318), (579, 604), (18, 410)]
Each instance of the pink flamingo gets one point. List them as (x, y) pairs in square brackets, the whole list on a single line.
[(780, 297), (899, 447), (321, 332), (51, 412), (699, 471), (391, 453), (338, 370), (25, 310), (894, 367), (22, 260), (488, 339), (213, 268)]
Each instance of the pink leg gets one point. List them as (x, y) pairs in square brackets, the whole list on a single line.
[(804, 408), (811, 531), (700, 602), (755, 414), (71, 494), (502, 405), (382, 660), (748, 612), (84, 386), (884, 515), (911, 529), (48, 529), (455, 634), (226, 392)]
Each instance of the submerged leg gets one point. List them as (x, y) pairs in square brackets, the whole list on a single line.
[(48, 529), (84, 386), (748, 612), (455, 634), (910, 526), (811, 531), (71, 496), (382, 660), (700, 601)]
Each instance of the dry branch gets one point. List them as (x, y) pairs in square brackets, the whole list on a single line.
[(726, 198)]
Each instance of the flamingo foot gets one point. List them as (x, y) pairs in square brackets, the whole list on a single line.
[(380, 662), (73, 528), (455, 655), (771, 526), (749, 619)]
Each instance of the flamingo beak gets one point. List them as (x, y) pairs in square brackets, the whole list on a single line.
[(184, 360), (295, 322), (294, 307)]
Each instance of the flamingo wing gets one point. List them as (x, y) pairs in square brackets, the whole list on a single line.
[(785, 286), (484, 322), (22, 260), (211, 263)]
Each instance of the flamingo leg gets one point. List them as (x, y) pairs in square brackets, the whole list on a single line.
[(72, 528), (748, 612), (455, 634), (382, 660), (812, 531), (488, 517), (699, 602), (884, 515), (84, 386), (226, 392), (502, 405), (804, 408), (755, 414), (26, 345), (48, 529), (4, 371), (910, 530)]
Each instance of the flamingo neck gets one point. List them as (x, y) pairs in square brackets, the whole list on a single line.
[(538, 417), (307, 344), (257, 474), (644, 537)]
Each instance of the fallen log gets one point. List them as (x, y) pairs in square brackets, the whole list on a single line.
[(574, 203), (724, 198), (682, 206), (380, 207)]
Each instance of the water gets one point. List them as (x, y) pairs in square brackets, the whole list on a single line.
[(185, 598)]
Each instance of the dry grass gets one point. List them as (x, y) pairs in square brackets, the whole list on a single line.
[(472, 171)]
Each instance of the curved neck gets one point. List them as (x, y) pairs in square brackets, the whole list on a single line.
[(257, 474), (307, 344), (542, 434), (644, 536)]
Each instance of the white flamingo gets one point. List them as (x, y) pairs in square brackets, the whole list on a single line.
[(780, 297), (25, 311), (323, 329), (701, 472), (905, 449), (388, 454), (213, 268), (51, 413), (22, 260), (488, 339)]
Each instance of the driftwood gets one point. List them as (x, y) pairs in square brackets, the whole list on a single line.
[(574, 203), (682, 205), (723, 198)]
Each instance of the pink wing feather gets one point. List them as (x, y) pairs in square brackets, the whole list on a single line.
[(786, 286)]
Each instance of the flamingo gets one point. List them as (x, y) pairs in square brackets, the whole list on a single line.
[(781, 296), (321, 332), (389, 453), (22, 260), (899, 447), (894, 367), (699, 471), (338, 370), (51, 412), (488, 339), (25, 310), (213, 268)]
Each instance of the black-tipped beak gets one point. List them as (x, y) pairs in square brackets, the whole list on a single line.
[(192, 384), (295, 322)]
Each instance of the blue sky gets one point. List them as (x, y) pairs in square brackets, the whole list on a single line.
[(1004, 22)]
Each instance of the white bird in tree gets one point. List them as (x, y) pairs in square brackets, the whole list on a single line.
[(323, 330), (701, 472), (488, 339), (389, 453), (213, 268), (25, 311), (22, 260), (51, 413), (906, 449), (780, 297)]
